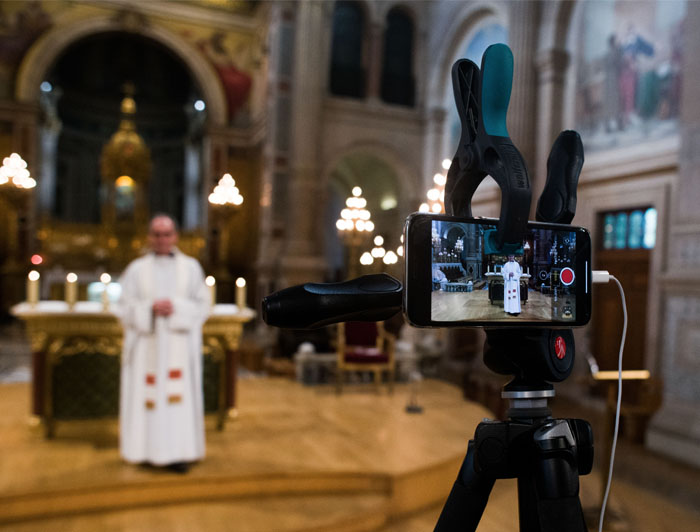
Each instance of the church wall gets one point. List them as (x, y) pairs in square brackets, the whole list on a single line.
[(660, 173), (675, 430), (395, 135)]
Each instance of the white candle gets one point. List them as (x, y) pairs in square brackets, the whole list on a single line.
[(211, 283), (33, 288), (71, 289), (240, 293), (106, 279)]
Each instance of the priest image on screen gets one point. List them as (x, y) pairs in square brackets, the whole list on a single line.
[(511, 272), (164, 305)]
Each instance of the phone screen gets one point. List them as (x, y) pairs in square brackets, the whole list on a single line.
[(544, 279)]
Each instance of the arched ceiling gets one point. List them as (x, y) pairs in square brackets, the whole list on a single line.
[(376, 178)]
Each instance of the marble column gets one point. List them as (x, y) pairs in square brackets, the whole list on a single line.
[(522, 112), (675, 429), (375, 48), (551, 67), (433, 154), (303, 259)]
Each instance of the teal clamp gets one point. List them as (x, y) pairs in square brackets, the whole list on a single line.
[(482, 97)]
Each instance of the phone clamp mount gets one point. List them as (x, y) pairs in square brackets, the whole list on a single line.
[(546, 455)]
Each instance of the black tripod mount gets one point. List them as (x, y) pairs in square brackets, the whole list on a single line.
[(546, 455)]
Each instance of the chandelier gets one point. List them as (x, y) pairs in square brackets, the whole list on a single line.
[(14, 171)]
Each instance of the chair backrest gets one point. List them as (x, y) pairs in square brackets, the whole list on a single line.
[(361, 333)]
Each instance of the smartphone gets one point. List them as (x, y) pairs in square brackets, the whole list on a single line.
[(456, 276)]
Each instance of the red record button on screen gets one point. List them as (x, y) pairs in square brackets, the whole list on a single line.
[(567, 276)]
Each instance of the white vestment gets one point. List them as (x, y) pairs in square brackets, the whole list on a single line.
[(511, 286), (161, 418)]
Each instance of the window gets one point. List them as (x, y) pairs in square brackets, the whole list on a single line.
[(347, 72), (398, 85), (630, 229)]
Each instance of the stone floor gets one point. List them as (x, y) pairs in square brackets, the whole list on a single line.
[(656, 475)]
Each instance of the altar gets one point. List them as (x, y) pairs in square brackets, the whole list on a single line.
[(76, 359), (495, 284)]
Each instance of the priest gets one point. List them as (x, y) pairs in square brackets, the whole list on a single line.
[(164, 304), (511, 272)]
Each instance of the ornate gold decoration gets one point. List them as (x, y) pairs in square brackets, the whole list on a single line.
[(55, 335), (125, 166)]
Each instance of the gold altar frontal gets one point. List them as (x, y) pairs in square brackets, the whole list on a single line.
[(89, 333)]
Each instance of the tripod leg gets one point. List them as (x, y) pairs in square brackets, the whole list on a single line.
[(466, 503), (548, 500)]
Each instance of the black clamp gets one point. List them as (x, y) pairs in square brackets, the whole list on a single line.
[(482, 98)]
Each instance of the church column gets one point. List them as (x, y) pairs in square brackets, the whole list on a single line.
[(49, 132), (675, 429), (375, 57), (303, 251), (522, 112), (274, 175), (551, 67), (433, 155)]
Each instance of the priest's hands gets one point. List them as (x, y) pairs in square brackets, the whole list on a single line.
[(162, 307)]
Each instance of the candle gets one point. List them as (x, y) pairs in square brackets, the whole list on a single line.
[(71, 289), (240, 293), (33, 288), (211, 283), (106, 279)]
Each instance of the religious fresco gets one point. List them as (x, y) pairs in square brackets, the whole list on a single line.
[(474, 49), (21, 23), (230, 58), (233, 55), (628, 74)]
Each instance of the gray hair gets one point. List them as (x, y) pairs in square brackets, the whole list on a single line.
[(164, 215)]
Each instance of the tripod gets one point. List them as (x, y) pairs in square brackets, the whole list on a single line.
[(546, 455)]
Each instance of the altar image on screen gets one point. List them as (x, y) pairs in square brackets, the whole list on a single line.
[(473, 280)]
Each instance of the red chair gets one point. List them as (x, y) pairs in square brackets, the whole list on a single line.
[(364, 346)]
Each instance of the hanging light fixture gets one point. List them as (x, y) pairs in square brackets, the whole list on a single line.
[(226, 193), (355, 216), (436, 195), (14, 172)]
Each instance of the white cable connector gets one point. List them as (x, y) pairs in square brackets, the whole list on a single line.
[(600, 276)]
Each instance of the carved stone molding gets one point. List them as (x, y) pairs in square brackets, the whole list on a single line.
[(684, 252), (680, 366)]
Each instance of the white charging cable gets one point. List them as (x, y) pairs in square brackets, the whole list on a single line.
[(604, 277)]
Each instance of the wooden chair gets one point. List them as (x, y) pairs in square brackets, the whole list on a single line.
[(364, 346)]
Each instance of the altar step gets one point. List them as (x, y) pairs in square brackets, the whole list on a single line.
[(380, 496), (316, 513)]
